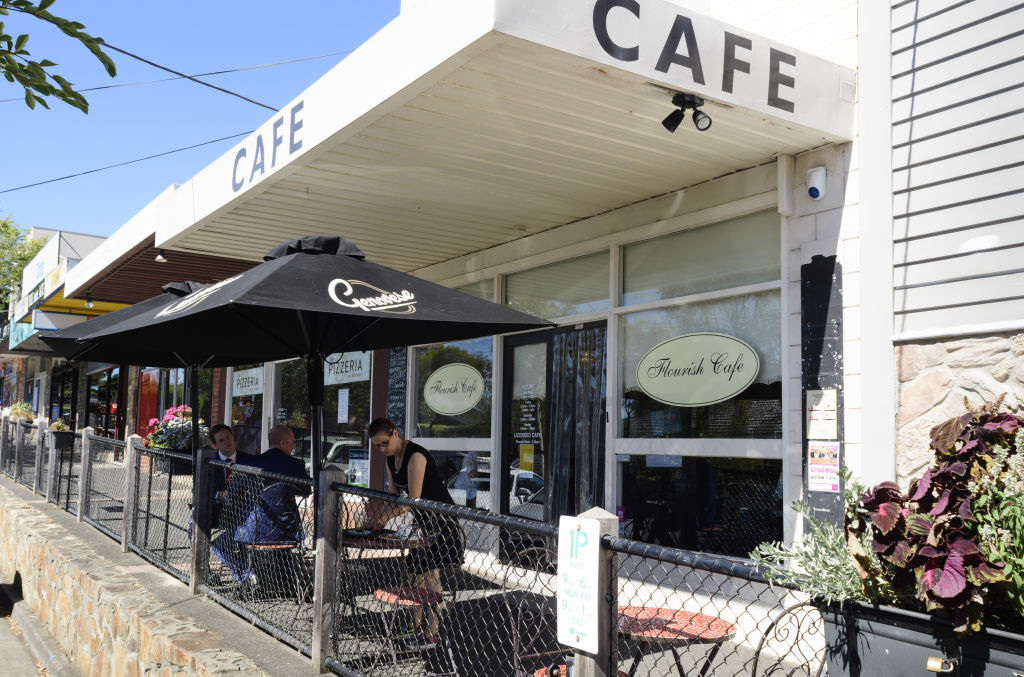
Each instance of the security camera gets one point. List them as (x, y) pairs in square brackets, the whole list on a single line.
[(816, 183)]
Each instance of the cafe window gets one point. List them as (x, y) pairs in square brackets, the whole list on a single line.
[(484, 289), (453, 389), (754, 412), (346, 410), (721, 505), (571, 287), (730, 254), (247, 407)]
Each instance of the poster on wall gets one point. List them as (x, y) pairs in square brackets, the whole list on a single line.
[(696, 370), (823, 466), (822, 414), (359, 467), (342, 405)]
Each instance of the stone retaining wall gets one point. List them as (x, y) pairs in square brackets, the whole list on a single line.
[(934, 379), (103, 620)]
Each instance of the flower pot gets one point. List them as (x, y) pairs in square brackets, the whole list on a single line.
[(864, 641), (63, 439)]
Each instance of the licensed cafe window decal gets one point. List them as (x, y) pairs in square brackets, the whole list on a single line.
[(453, 389), (696, 370)]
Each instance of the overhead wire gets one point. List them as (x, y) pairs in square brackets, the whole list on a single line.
[(199, 75), (122, 164)]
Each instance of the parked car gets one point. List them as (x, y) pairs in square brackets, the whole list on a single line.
[(524, 485)]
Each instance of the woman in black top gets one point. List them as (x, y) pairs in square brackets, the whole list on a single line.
[(412, 470)]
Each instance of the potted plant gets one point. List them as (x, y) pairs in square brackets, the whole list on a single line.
[(63, 436), (934, 573), (21, 409), (174, 432)]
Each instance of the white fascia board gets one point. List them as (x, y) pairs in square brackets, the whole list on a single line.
[(393, 66), (137, 230), (642, 37)]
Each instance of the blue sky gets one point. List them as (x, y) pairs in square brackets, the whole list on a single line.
[(131, 122)]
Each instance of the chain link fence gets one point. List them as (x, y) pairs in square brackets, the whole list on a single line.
[(107, 478), (427, 589), (68, 468), (161, 521), (26, 471), (412, 587), (7, 446), (262, 552)]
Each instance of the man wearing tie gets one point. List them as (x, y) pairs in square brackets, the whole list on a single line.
[(224, 443)]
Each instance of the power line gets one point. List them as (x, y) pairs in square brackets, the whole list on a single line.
[(122, 164), (199, 75), (188, 77)]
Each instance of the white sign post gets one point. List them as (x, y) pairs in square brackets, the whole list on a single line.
[(579, 553), (587, 599)]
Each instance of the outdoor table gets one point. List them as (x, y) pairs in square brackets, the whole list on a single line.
[(377, 545), (675, 627)]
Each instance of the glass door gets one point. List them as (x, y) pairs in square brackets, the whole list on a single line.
[(553, 445)]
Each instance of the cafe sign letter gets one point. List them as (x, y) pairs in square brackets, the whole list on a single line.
[(453, 389), (696, 370)]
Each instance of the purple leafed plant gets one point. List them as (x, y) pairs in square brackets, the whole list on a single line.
[(926, 543)]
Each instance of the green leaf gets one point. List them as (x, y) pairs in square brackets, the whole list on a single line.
[(45, 3), (21, 42), (30, 99)]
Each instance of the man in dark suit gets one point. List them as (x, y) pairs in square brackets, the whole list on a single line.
[(269, 512), (224, 442), (264, 510)]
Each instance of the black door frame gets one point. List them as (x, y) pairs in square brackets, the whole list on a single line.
[(505, 445)]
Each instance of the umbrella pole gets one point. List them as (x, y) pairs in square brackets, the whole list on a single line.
[(315, 391)]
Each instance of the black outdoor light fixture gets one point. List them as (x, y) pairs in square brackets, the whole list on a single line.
[(701, 120), (88, 301), (160, 256)]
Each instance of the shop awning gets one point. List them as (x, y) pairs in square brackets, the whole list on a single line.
[(465, 124)]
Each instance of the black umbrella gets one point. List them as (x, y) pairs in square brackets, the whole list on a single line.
[(311, 297), (72, 343)]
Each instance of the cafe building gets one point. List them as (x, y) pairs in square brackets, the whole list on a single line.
[(698, 195)]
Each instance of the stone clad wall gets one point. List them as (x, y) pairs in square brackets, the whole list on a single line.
[(105, 622), (934, 378)]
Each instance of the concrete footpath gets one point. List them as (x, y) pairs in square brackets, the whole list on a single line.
[(129, 577)]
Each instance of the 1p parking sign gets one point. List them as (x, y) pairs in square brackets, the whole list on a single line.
[(579, 554)]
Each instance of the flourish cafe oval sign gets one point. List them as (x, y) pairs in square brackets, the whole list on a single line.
[(695, 370), (453, 389)]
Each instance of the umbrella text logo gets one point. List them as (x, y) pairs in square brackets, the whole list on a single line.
[(195, 298), (401, 303)]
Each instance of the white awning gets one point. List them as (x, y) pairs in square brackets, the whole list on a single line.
[(465, 124)]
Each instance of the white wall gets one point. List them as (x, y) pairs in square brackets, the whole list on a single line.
[(957, 177)]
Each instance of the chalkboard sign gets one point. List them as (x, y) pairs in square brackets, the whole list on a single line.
[(398, 370)]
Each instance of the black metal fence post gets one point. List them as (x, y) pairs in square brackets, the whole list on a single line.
[(41, 434), (53, 479), (19, 444), (84, 473), (131, 495), (3, 443), (325, 576), (202, 519)]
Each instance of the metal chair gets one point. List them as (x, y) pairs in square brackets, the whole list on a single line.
[(532, 609), (271, 537)]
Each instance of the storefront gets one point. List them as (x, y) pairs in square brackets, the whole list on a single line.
[(524, 156)]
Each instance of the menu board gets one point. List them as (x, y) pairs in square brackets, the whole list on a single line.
[(398, 370)]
